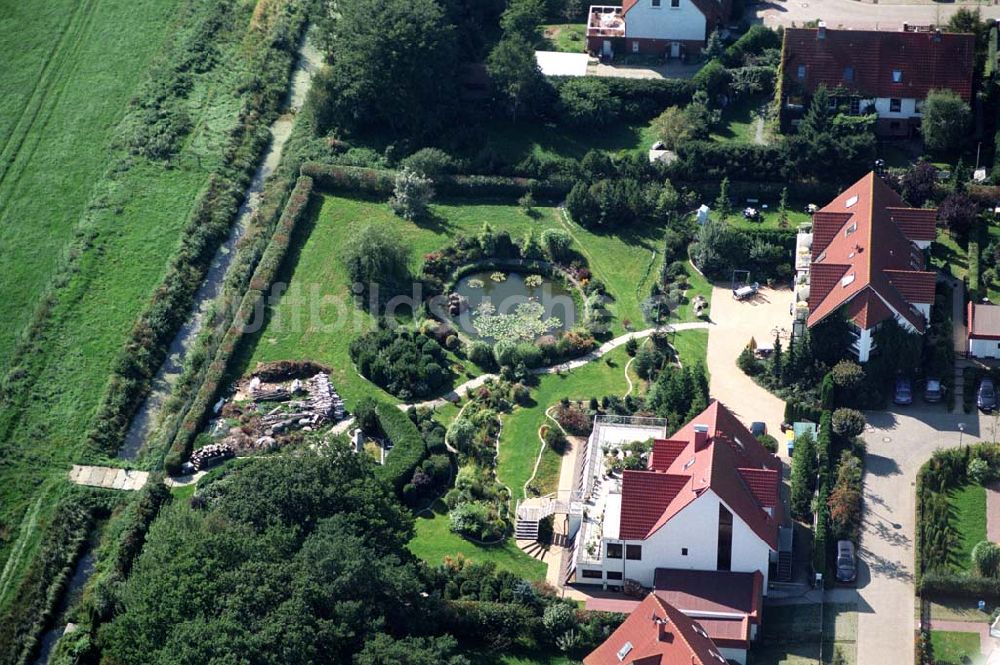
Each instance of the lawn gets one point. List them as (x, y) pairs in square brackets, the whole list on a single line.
[(739, 122), (968, 505), (519, 442), (565, 37), (56, 181), (434, 541), (516, 141), (791, 635), (954, 648), (948, 255), (315, 319), (491, 658), (947, 608)]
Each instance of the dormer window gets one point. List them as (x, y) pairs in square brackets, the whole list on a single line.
[(897, 76), (848, 74), (802, 71)]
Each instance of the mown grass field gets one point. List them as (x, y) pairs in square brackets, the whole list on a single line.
[(954, 648), (316, 276), (565, 37), (968, 506), (63, 171), (434, 541)]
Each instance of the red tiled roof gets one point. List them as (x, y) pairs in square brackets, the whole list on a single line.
[(764, 485), (656, 634), (916, 223), (914, 285), (664, 454), (652, 498), (645, 496), (926, 61), (868, 261)]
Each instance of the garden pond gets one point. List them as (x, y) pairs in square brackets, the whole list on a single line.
[(514, 307)]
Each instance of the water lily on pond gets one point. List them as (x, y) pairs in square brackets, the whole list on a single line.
[(523, 325), (498, 276), (533, 281), (476, 283)]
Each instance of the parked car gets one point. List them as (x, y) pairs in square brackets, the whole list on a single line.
[(986, 396), (903, 393), (934, 391), (758, 429), (847, 564)]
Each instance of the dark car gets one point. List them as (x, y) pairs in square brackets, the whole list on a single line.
[(847, 565), (903, 392), (758, 429), (986, 396), (933, 391)]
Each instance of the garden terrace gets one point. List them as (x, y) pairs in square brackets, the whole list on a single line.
[(605, 21)]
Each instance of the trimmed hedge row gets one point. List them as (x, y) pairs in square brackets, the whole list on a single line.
[(332, 177), (264, 275), (641, 99), (408, 447), (953, 584), (170, 305)]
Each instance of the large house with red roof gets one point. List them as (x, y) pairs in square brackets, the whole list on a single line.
[(888, 72), (868, 262), (669, 28), (657, 633), (709, 501)]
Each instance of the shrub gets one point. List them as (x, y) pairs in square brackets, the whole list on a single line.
[(587, 102), (408, 448), (411, 194), (769, 442), (404, 363), (847, 375), (377, 258), (979, 471), (431, 162), (481, 354), (848, 422), (986, 559), (556, 440), (476, 519), (557, 244)]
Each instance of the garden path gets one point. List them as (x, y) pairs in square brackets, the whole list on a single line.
[(993, 511)]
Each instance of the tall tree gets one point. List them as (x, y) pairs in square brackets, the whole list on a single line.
[(946, 121), (392, 66), (514, 72)]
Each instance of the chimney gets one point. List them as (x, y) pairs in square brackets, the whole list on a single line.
[(821, 30), (937, 35), (700, 437), (662, 623)]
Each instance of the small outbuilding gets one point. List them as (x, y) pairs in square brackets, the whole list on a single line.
[(983, 338)]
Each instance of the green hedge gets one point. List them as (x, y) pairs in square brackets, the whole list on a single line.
[(408, 448), (641, 99), (146, 348), (267, 270), (331, 177), (953, 584), (973, 275)]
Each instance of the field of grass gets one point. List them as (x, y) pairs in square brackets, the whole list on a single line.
[(63, 173), (520, 659), (739, 123), (791, 635), (968, 505), (946, 608), (434, 541), (948, 255), (565, 37), (954, 648), (315, 319)]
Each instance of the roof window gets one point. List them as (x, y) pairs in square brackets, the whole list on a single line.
[(851, 201), (687, 464), (802, 71), (698, 629), (850, 229), (624, 651), (847, 280), (848, 73), (897, 76)]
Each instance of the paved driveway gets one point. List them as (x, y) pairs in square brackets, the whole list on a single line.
[(863, 15), (734, 322), (898, 443)]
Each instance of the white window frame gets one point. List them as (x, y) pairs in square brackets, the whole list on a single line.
[(898, 103)]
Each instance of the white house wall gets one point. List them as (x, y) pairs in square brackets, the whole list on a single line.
[(696, 528), (644, 21), (984, 348), (907, 109)]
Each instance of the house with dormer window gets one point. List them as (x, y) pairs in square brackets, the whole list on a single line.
[(667, 28), (888, 73), (867, 262)]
